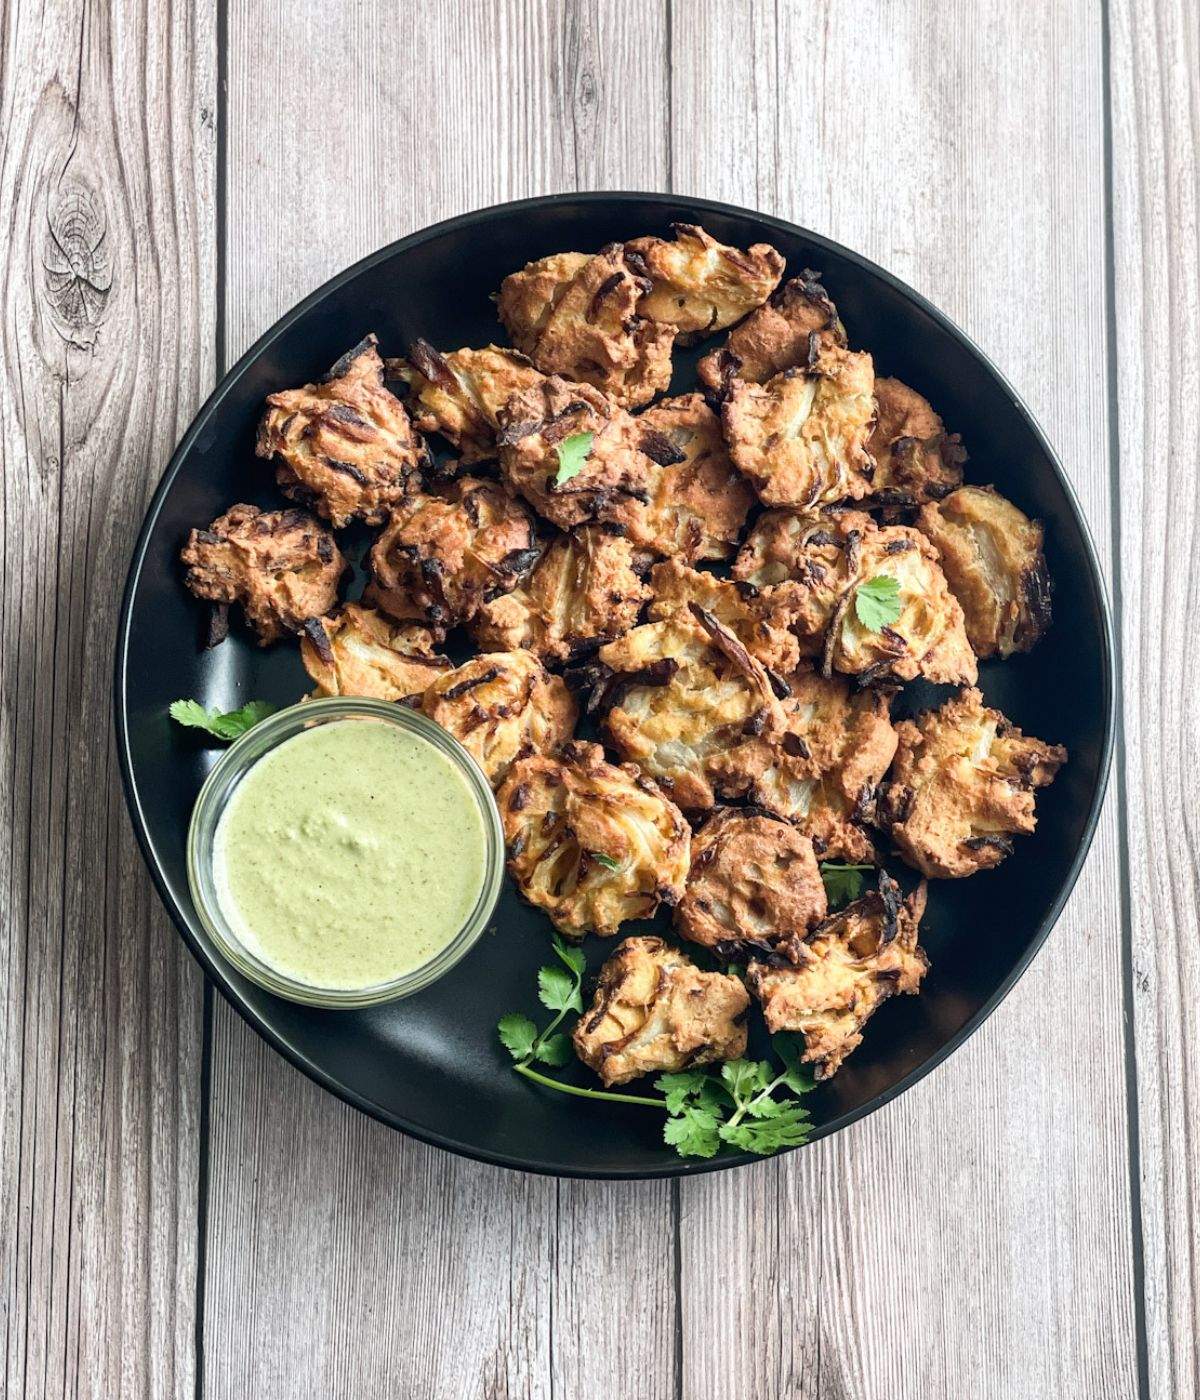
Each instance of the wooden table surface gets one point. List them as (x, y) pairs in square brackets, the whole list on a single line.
[(181, 1213)]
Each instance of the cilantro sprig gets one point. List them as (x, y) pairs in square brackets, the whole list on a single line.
[(735, 1104), (877, 602), (843, 883), (230, 725), (572, 453)]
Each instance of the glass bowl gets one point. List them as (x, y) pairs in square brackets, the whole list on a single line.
[(219, 787)]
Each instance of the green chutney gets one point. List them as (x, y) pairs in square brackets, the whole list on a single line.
[(350, 854)]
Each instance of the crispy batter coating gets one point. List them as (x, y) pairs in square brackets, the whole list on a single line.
[(822, 771), (697, 501), (502, 706), (802, 436), (359, 651), (656, 1012), (754, 881), (684, 696), (443, 556), (843, 970), (579, 317), (991, 554), (460, 394), (698, 285), (623, 457), (916, 460), (789, 332), (583, 591), (282, 566), (748, 612), (344, 446), (963, 782), (592, 843), (927, 639)]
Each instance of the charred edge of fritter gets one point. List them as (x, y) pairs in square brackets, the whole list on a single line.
[(314, 630), (217, 628), (993, 840), (1037, 589), (456, 692), (724, 640), (608, 691), (433, 365), (342, 366), (660, 449), (749, 950)]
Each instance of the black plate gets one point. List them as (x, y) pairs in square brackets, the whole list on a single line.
[(430, 1065)]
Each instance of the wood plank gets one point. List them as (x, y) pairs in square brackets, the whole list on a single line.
[(107, 173), (1155, 84), (974, 1237), (475, 1281)]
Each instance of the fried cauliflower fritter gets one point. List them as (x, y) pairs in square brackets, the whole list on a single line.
[(358, 651), (916, 460), (991, 554), (502, 706), (591, 843), (963, 782), (684, 695), (623, 455), (656, 1012), (344, 447), (747, 612), (843, 970), (583, 591), (822, 770), (802, 436), (927, 639), (754, 882), (789, 332), (578, 316), (460, 394), (282, 566), (700, 286), (442, 557), (697, 501)]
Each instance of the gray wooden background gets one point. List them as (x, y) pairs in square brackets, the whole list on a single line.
[(182, 1214)]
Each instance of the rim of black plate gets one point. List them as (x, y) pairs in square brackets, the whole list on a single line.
[(220, 975)]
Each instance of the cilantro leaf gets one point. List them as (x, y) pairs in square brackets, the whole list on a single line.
[(693, 1132), (746, 1077), (558, 990), (678, 1088), (555, 1050), (788, 1128), (798, 1077), (843, 883), (573, 957), (606, 861), (517, 1035), (572, 453), (877, 602), (230, 725)]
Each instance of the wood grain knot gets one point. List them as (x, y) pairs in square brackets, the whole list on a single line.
[(77, 262)]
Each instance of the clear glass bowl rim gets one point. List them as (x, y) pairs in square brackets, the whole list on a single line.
[(233, 765)]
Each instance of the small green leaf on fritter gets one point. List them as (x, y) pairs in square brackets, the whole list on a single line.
[(572, 453), (843, 883), (608, 862), (877, 602)]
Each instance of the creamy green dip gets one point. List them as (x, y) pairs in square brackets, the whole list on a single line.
[(350, 854)]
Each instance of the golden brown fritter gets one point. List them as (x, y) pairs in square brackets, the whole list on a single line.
[(697, 501), (583, 591), (754, 881), (683, 696), (655, 1012), (622, 457), (802, 436), (460, 394), (344, 446), (443, 556), (358, 651), (579, 317), (991, 554), (843, 970), (927, 639), (698, 285), (592, 843), (502, 706), (789, 332), (282, 566), (962, 784), (916, 459), (821, 772), (747, 612)]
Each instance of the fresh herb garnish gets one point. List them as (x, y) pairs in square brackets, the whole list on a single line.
[(572, 453), (877, 602), (608, 862), (230, 725), (843, 883), (733, 1104)]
